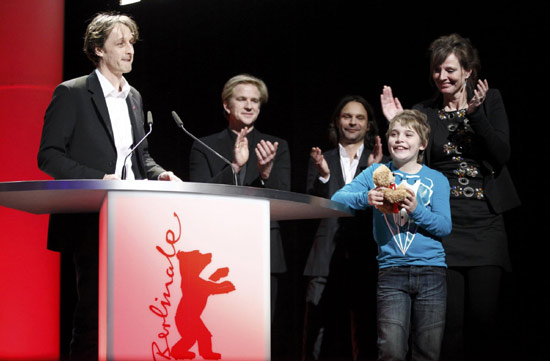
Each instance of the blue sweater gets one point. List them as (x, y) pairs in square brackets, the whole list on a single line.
[(406, 239)]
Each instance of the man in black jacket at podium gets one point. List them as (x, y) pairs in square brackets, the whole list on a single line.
[(256, 159), (89, 128)]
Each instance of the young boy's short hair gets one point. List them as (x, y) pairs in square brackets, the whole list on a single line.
[(415, 120)]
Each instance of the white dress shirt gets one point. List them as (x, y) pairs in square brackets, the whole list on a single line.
[(348, 167), (120, 122)]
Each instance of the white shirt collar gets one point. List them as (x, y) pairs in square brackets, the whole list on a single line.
[(108, 88), (344, 154), (349, 166)]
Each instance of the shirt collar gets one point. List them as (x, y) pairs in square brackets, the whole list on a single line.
[(344, 154), (108, 88)]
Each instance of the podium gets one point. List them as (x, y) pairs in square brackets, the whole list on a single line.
[(183, 267)]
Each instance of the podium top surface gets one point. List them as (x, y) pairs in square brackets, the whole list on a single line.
[(86, 196)]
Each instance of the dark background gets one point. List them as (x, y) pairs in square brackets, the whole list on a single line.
[(310, 53)]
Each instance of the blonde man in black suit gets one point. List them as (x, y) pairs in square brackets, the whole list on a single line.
[(257, 159)]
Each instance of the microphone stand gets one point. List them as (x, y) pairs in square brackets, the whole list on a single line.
[(180, 124), (150, 122)]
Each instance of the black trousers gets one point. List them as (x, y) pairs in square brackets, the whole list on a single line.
[(472, 312), (85, 319)]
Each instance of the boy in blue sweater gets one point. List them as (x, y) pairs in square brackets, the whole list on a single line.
[(411, 291)]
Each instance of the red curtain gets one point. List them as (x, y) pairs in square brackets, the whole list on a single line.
[(31, 39)]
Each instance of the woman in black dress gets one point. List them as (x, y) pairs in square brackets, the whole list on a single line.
[(469, 144)]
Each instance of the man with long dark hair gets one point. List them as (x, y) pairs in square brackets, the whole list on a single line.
[(341, 254)]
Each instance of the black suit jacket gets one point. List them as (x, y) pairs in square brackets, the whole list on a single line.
[(206, 167), (353, 234), (77, 143)]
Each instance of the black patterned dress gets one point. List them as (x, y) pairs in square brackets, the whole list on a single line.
[(478, 237)]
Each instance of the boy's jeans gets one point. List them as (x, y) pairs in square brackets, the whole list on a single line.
[(411, 298)]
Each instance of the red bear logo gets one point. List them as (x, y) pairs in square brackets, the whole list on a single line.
[(195, 292)]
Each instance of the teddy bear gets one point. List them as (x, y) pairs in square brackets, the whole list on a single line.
[(383, 177), (195, 292)]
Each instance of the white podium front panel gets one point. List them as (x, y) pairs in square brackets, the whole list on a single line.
[(181, 274)]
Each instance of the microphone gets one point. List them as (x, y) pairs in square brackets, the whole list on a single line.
[(150, 123), (180, 124)]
